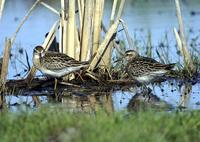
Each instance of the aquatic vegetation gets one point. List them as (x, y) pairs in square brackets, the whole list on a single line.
[(84, 30), (57, 124)]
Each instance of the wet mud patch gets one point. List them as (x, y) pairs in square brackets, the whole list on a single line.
[(110, 96)]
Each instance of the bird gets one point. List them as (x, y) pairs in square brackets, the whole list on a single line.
[(144, 69), (139, 102), (56, 64)]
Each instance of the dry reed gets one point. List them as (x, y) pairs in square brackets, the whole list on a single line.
[(71, 29), (81, 12), (130, 41), (4, 69), (181, 41), (49, 7), (63, 27), (86, 30), (98, 15), (32, 72), (2, 2), (108, 54), (185, 94), (79, 44), (103, 46), (6, 57)]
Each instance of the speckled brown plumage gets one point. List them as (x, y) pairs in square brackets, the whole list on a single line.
[(58, 61), (55, 64), (145, 69)]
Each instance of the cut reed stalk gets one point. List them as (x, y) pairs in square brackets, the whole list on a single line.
[(51, 35), (114, 7), (2, 2), (71, 29), (81, 9), (187, 88), (178, 41), (80, 13), (49, 7), (77, 46), (86, 30), (60, 36), (185, 52), (98, 14), (6, 57), (121, 7), (130, 42), (103, 46), (108, 54), (63, 34)]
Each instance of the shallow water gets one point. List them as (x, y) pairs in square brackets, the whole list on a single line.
[(141, 16), (169, 95)]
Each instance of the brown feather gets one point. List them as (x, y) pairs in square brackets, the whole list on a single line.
[(57, 61)]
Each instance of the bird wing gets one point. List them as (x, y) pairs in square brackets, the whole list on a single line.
[(57, 61), (145, 65)]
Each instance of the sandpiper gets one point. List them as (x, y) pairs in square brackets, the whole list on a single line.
[(144, 69), (55, 64)]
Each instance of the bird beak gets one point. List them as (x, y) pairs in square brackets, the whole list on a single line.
[(120, 59)]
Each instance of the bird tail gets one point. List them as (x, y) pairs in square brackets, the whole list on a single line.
[(88, 62), (170, 66)]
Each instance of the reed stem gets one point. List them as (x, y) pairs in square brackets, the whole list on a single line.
[(130, 42), (49, 7), (86, 30), (98, 14), (71, 29), (63, 34), (6, 57), (103, 46), (108, 55), (2, 3), (185, 52)]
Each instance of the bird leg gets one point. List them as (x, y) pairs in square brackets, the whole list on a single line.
[(146, 91), (79, 76), (55, 88)]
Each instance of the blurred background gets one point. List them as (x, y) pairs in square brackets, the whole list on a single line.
[(157, 17), (144, 18)]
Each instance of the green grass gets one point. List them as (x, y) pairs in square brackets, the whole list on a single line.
[(59, 125)]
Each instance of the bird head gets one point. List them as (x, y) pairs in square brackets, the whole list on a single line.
[(130, 54), (38, 51)]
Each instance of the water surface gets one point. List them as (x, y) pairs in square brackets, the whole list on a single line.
[(141, 16)]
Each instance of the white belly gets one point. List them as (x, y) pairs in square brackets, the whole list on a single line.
[(147, 78), (62, 72)]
